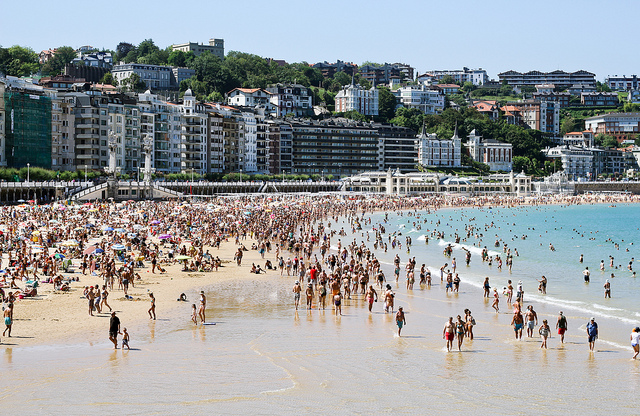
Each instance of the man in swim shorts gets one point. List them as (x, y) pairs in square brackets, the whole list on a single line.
[(448, 333), (8, 319), (400, 319), (518, 322), (371, 296), (532, 320), (296, 293), (561, 326)]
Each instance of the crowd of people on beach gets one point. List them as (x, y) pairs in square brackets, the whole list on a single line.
[(59, 244)]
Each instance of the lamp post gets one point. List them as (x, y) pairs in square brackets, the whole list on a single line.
[(240, 175), (282, 175), (322, 175), (85, 173), (28, 165)]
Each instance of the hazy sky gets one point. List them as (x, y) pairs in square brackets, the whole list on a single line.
[(496, 35)]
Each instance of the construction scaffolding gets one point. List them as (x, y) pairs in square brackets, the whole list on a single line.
[(27, 129)]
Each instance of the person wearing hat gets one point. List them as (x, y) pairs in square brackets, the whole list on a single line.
[(592, 332), (561, 326), (202, 306), (400, 319), (635, 341), (296, 293)]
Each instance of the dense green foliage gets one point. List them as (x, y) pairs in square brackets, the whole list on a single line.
[(18, 61)]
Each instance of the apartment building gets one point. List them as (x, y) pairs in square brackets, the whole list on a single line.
[(330, 69), (396, 147), (194, 135), (436, 152), (249, 97), (622, 83), (154, 76), (338, 147), (356, 98), (428, 100), (622, 126), (215, 47), (378, 75), (539, 115), (292, 99), (62, 132), (460, 76), (498, 155), (559, 78), (599, 99)]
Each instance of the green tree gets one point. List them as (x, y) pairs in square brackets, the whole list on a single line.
[(386, 103), (18, 61), (122, 50), (147, 47), (447, 79), (468, 87), (181, 59), (62, 57), (408, 117), (109, 79), (354, 115), (522, 163), (600, 87), (134, 83), (606, 140), (570, 124), (369, 63), (342, 78)]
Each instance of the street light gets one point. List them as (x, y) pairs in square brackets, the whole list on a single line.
[(85, 173), (282, 175), (28, 173), (240, 175)]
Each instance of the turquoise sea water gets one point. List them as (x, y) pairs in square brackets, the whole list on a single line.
[(588, 230)]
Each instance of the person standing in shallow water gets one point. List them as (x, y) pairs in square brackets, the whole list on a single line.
[(400, 319), (635, 341), (114, 329), (592, 333), (561, 326), (448, 333)]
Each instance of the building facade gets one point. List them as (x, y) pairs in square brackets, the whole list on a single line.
[(293, 99), (154, 76), (435, 152), (460, 76), (215, 47), (356, 98), (498, 155), (425, 99), (622, 126), (599, 99), (560, 79), (622, 83)]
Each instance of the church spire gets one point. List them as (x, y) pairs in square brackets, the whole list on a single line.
[(455, 132)]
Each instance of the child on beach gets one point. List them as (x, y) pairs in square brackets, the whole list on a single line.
[(125, 339), (544, 332), (194, 314)]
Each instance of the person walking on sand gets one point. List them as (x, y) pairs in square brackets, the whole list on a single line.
[(400, 319), (561, 326), (496, 300), (635, 341), (202, 307), (544, 332), (91, 296), (309, 293), (337, 301), (125, 339), (448, 333), (152, 309), (114, 329), (592, 333), (8, 319), (296, 294)]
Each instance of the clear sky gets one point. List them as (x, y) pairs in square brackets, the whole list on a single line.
[(496, 35)]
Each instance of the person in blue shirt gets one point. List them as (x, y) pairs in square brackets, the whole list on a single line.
[(592, 333)]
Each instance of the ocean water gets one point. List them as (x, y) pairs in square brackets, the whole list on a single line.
[(262, 357)]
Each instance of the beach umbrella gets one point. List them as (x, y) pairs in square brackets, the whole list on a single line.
[(21, 200), (155, 222), (89, 250), (57, 256), (99, 251), (89, 225), (70, 243), (132, 235), (120, 230), (107, 229), (180, 258), (138, 227), (117, 247), (164, 236)]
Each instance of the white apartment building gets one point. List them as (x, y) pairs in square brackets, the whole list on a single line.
[(62, 132), (498, 155), (427, 100), (194, 135), (355, 98), (622, 83), (248, 150), (460, 76), (154, 76), (293, 99), (433, 151), (249, 97), (215, 47), (577, 162)]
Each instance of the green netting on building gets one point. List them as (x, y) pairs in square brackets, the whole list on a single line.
[(27, 130)]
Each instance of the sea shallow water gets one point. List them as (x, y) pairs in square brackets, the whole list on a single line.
[(263, 358)]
